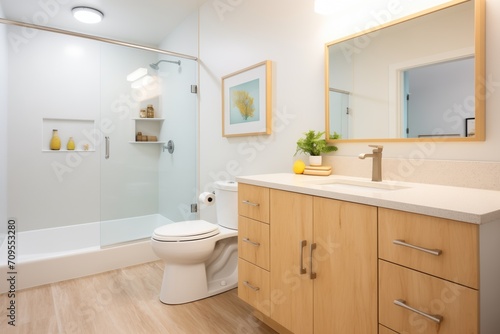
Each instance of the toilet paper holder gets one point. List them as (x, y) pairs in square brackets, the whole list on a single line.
[(207, 198)]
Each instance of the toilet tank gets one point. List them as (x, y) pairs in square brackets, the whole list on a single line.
[(226, 203)]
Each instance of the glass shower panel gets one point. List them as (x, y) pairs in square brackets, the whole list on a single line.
[(178, 170), (137, 173)]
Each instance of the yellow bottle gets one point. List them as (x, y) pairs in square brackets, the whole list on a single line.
[(71, 144), (55, 141)]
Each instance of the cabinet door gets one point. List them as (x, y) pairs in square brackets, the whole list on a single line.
[(345, 262), (291, 291)]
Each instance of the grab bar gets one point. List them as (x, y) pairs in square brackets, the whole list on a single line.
[(106, 156)]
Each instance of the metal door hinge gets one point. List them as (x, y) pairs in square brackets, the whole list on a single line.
[(194, 208)]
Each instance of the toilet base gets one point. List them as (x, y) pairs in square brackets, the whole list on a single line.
[(186, 283)]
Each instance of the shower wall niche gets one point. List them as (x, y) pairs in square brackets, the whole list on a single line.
[(80, 130)]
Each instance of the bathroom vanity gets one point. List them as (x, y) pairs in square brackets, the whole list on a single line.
[(347, 255)]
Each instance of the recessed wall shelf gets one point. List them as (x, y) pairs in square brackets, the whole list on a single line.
[(82, 131), (148, 127)]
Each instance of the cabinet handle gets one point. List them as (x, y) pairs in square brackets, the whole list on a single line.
[(253, 243), (254, 288), (312, 275), (435, 318), (250, 203), (436, 252), (106, 156), (303, 244)]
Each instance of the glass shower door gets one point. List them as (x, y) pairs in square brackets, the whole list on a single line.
[(142, 184)]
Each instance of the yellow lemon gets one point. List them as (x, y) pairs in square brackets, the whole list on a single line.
[(299, 166)]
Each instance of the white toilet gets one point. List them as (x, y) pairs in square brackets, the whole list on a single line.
[(201, 258)]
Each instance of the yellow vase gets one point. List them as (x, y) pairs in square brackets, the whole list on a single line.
[(71, 144), (55, 141)]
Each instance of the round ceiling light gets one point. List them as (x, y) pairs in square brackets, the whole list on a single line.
[(87, 15)]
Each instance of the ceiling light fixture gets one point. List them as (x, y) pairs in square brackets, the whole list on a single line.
[(87, 15), (324, 7)]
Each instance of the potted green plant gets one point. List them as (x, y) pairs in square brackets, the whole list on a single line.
[(314, 144)]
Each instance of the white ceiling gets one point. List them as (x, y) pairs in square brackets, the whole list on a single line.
[(145, 22)]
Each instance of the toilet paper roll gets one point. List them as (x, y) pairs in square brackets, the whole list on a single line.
[(207, 198)]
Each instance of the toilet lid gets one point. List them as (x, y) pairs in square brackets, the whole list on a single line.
[(186, 231)]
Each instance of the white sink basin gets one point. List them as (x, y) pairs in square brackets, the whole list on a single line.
[(365, 185)]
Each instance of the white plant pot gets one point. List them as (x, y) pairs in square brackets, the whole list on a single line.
[(315, 160)]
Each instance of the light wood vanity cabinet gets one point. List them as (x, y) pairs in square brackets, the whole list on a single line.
[(339, 267), (428, 265)]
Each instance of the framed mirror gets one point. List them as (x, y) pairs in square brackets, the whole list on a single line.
[(419, 78)]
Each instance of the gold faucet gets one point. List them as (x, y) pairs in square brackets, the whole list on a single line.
[(377, 161)]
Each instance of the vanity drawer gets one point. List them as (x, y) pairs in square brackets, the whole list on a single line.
[(253, 286), (253, 241), (456, 304), (457, 241), (253, 202)]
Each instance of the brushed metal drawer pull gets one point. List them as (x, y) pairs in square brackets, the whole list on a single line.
[(250, 203), (254, 288), (303, 244), (436, 252), (312, 275), (435, 318), (253, 243)]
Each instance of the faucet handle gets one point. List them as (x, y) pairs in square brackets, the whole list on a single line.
[(377, 148)]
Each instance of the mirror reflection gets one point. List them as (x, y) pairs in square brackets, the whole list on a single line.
[(414, 79)]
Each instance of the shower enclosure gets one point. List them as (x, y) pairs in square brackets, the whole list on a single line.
[(120, 174)]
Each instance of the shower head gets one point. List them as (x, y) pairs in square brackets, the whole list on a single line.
[(155, 66)]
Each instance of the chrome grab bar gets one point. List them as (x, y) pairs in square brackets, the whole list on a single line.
[(106, 156), (435, 252)]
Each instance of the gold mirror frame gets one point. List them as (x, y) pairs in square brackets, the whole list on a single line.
[(479, 75)]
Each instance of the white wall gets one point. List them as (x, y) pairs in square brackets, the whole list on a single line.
[(292, 36), (48, 189), (3, 127), (251, 32)]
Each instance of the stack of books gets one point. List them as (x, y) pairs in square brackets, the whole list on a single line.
[(318, 170)]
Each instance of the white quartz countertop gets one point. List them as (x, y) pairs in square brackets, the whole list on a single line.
[(469, 205)]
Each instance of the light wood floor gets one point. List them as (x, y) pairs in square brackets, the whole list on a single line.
[(124, 301)]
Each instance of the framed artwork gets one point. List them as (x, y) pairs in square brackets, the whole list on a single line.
[(246, 101), (470, 127)]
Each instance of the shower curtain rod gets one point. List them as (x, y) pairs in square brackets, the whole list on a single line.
[(96, 38)]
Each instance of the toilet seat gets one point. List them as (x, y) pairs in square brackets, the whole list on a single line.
[(186, 231)]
